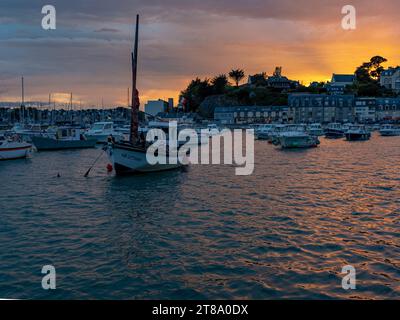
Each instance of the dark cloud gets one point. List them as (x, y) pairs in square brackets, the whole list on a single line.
[(181, 39), (107, 30)]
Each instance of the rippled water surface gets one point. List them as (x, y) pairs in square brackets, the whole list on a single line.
[(284, 232)]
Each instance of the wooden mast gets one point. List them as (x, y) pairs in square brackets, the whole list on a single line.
[(134, 133)]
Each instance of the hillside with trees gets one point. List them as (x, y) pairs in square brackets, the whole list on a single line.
[(203, 96)]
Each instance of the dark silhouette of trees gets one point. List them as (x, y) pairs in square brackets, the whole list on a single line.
[(237, 75), (219, 84)]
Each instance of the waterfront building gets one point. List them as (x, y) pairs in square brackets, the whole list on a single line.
[(365, 110), (387, 109), (252, 114), (321, 108), (390, 79), (153, 107), (339, 83)]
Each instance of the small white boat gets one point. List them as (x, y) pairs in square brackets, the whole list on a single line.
[(264, 131), (357, 133), (315, 129), (388, 130), (101, 131), (10, 150), (296, 136)]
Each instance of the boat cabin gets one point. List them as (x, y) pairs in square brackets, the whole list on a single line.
[(68, 133)]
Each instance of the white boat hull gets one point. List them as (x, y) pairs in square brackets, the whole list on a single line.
[(129, 160), (14, 150)]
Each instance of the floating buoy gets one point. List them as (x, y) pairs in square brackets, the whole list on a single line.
[(109, 167)]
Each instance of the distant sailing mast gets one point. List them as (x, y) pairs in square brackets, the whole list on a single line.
[(71, 108), (22, 115), (129, 97), (134, 133)]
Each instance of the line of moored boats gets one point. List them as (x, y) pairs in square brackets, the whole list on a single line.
[(21, 140), (307, 136)]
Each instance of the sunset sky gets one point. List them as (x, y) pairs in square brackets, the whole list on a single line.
[(89, 52)]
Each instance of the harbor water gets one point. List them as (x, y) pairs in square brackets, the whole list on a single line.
[(204, 233)]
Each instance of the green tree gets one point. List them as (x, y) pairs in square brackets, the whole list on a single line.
[(237, 76), (260, 79), (196, 92), (369, 72), (219, 84)]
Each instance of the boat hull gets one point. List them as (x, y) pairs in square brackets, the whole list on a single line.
[(127, 159), (389, 133), (316, 132), (14, 151), (48, 144), (357, 136), (334, 134), (292, 142), (263, 136)]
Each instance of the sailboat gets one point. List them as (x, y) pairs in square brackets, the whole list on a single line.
[(130, 156)]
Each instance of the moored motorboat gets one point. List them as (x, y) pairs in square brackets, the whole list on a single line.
[(64, 138), (296, 136), (334, 131), (10, 150), (388, 130), (264, 131), (357, 133), (315, 129), (101, 131)]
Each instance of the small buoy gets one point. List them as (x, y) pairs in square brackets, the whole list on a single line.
[(109, 167), (58, 175)]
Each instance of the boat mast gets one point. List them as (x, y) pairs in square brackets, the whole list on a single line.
[(134, 133), (129, 97), (72, 113), (22, 115), (49, 108)]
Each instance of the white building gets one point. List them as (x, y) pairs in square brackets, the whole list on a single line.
[(154, 107), (339, 83), (365, 109), (390, 79)]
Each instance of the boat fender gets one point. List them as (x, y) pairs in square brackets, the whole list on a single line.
[(109, 167)]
